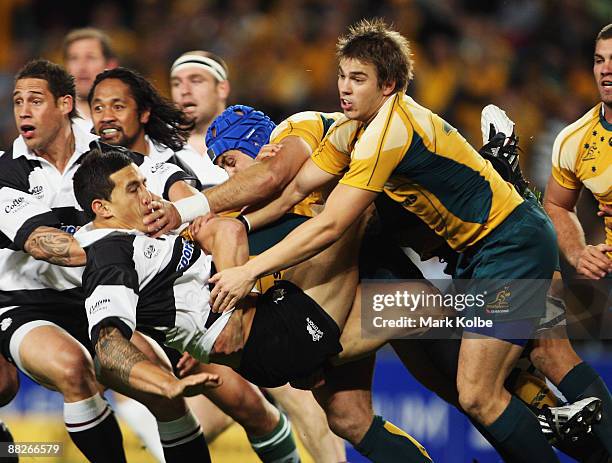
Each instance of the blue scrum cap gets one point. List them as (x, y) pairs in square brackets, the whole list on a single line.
[(240, 128)]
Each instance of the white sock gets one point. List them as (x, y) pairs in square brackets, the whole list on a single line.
[(143, 423), (179, 431), (85, 414)]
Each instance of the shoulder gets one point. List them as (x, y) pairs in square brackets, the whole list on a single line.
[(568, 142), (113, 249)]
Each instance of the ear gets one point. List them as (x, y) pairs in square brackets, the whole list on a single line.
[(223, 90), (388, 88), (144, 116), (101, 208), (65, 104)]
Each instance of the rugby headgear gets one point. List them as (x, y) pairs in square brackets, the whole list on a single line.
[(203, 62), (240, 128)]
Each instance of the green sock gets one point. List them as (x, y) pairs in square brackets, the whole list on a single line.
[(518, 432), (278, 446), (386, 443), (583, 381)]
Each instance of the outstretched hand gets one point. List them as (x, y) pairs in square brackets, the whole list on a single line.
[(231, 285), (193, 385)]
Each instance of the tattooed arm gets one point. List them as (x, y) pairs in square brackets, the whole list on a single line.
[(55, 246), (127, 364)]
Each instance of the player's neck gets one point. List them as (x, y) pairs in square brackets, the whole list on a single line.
[(59, 151), (140, 145), (607, 112), (113, 223)]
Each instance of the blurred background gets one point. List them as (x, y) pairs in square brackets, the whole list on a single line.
[(531, 57)]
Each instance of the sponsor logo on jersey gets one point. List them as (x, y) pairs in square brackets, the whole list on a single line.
[(71, 229), (38, 191), (159, 167), (100, 304), (186, 255), (16, 205), (5, 323), (278, 295), (151, 251), (313, 330)]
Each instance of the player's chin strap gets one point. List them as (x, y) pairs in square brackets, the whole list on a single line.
[(503, 152)]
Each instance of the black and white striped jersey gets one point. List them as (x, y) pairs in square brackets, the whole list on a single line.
[(132, 281), (34, 193)]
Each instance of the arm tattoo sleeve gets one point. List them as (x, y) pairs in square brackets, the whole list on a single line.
[(54, 246), (117, 354)]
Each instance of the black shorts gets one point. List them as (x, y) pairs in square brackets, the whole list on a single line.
[(291, 337), (71, 317)]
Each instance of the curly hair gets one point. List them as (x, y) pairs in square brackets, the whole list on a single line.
[(167, 124)]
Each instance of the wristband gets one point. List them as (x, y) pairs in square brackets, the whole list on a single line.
[(192, 207), (242, 219)]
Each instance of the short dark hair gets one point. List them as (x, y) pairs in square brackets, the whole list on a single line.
[(92, 178), (60, 82), (372, 41), (605, 33), (167, 124), (89, 33)]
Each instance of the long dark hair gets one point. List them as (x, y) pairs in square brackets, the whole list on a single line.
[(167, 124)]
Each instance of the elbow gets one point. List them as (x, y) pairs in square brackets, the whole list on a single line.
[(230, 231)]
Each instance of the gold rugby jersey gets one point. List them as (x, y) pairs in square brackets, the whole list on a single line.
[(310, 126), (582, 155), (423, 163)]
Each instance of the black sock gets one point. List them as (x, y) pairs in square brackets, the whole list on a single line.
[(518, 433), (94, 430), (583, 381), (386, 443), (183, 440)]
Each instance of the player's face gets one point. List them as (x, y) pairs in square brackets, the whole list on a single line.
[(603, 69), (39, 116), (130, 199), (233, 161), (115, 114), (197, 93), (360, 95), (85, 60)]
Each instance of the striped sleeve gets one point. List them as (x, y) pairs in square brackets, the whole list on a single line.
[(162, 175), (111, 286)]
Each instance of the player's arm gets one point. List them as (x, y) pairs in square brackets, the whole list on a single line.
[(54, 246), (560, 203), (126, 363), (33, 227), (305, 241), (225, 239)]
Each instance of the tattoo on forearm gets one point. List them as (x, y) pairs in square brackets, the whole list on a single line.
[(117, 354), (54, 246)]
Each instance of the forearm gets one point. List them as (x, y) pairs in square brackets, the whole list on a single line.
[(275, 209), (570, 234), (122, 359), (250, 186), (55, 246)]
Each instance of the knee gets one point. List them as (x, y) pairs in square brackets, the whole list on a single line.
[(253, 412), (475, 401), (349, 421), (73, 373)]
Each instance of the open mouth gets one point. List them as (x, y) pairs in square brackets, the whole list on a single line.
[(345, 104), (27, 130), (109, 132)]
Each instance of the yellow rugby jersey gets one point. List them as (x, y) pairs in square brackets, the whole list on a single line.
[(582, 155), (423, 163), (310, 126)]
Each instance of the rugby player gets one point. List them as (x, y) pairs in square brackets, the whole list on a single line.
[(128, 111), (87, 52), (423, 157), (581, 156), (287, 337), (200, 87)]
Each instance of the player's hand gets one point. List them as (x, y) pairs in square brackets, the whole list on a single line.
[(268, 151), (199, 223), (231, 338), (192, 385), (604, 210), (231, 285), (162, 219), (593, 262), (186, 365)]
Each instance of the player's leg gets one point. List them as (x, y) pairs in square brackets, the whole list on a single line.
[(346, 398), (56, 360), (179, 432), (310, 424)]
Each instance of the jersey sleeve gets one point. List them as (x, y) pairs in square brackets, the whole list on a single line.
[(111, 286), (333, 155), (565, 153), (162, 175), (378, 152), (21, 213), (310, 126)]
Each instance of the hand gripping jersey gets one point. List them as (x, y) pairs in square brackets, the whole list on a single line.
[(133, 281), (423, 163), (582, 155)]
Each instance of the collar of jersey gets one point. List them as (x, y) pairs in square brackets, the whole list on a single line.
[(81, 144), (606, 125), (87, 234)]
